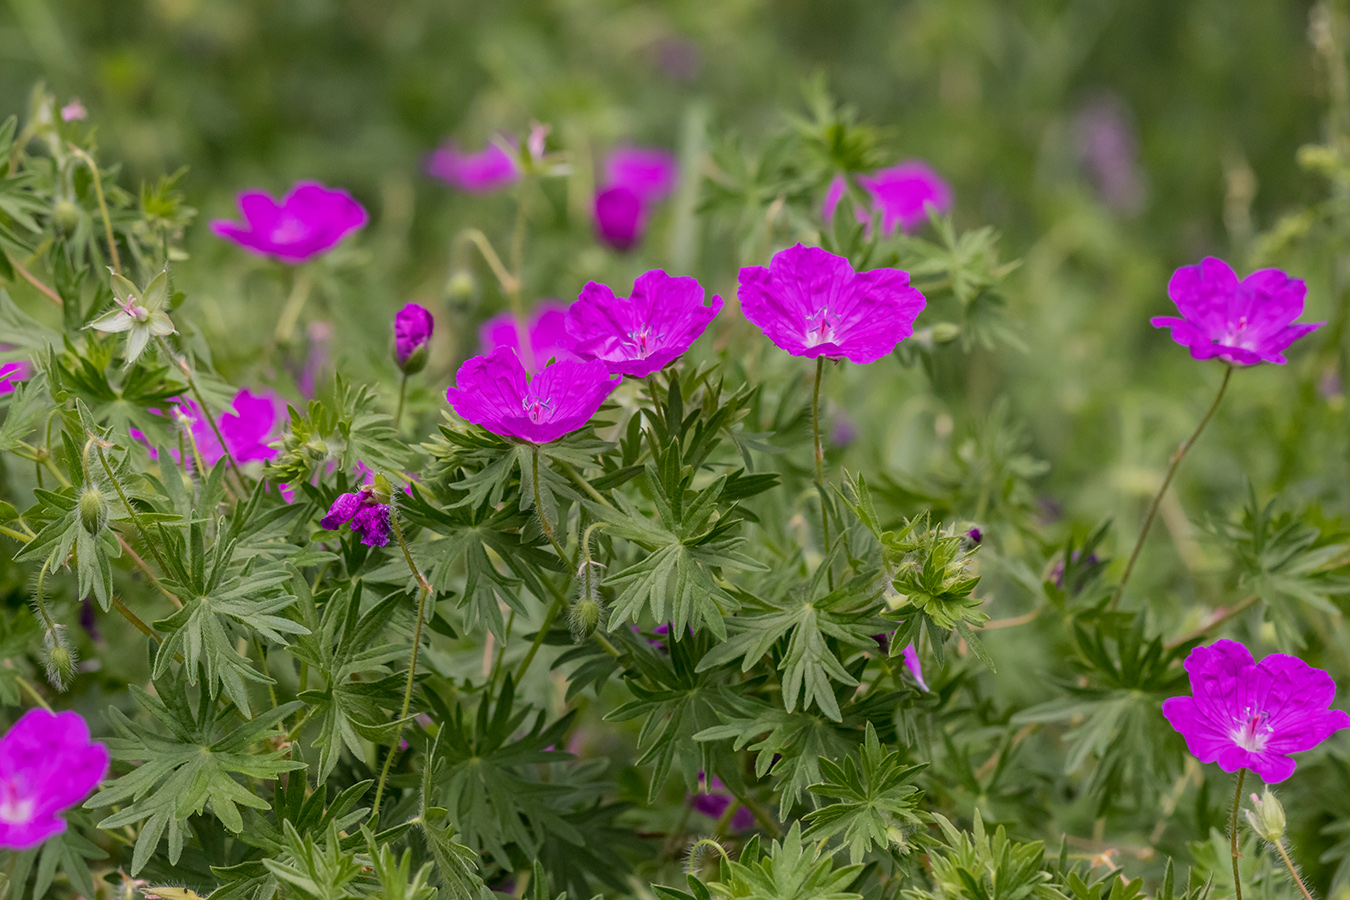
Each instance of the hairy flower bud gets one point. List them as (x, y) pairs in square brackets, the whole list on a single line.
[(461, 287), (66, 216), (382, 491), (1267, 817), (60, 661), (585, 616), (93, 509)]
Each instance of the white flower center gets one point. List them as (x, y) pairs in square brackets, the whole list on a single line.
[(644, 340), (14, 809), (1236, 335), (820, 327), (1254, 731), (290, 230)]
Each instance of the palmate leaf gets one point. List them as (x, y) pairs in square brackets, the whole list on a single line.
[(28, 403), (872, 799), (187, 769), (789, 870), (809, 663), (976, 866)]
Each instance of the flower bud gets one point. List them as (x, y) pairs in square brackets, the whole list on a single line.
[(1267, 817), (93, 510), (60, 661), (584, 616), (945, 332), (381, 490), (315, 449), (413, 326), (66, 216), (461, 287)]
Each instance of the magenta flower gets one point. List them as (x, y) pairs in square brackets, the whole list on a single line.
[(367, 509), (246, 430), (490, 169), (648, 172), (492, 391), (904, 192), (412, 330), (47, 765), (11, 373), (74, 111), (1241, 322), (713, 799), (620, 217), (547, 329), (811, 303), (311, 219), (1245, 714), (644, 333), (908, 654)]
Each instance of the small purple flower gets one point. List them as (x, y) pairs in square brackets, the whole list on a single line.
[(247, 429), (909, 654), (644, 333), (1245, 714), (811, 303), (646, 171), (74, 111), (488, 170), (11, 373), (976, 536), (620, 217), (904, 192), (547, 329), (367, 508), (311, 219), (1241, 322), (713, 799), (47, 765), (412, 330), (492, 391)]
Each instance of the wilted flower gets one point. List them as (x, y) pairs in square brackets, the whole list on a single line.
[(712, 800), (904, 193), (488, 170), (367, 508), (620, 217), (811, 303), (1245, 714), (909, 654), (47, 765), (311, 219), (492, 391), (11, 373), (412, 330), (139, 313), (247, 428), (547, 329), (645, 332), (1241, 322)]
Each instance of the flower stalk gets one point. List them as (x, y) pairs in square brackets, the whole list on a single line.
[(1233, 833)]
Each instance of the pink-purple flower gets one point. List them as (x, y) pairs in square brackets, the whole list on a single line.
[(1248, 715), (412, 331), (811, 303), (547, 330), (490, 169), (713, 798), (644, 333), (636, 178), (247, 429), (493, 391), (47, 765), (11, 373), (905, 192), (1241, 322), (367, 509), (311, 219)]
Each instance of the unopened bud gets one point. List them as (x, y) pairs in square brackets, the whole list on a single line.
[(381, 490), (584, 616), (66, 216), (461, 287), (315, 449), (60, 662), (416, 361), (1267, 817), (945, 332), (93, 510)]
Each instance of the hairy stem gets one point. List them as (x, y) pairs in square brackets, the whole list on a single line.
[(31, 279), (1293, 872), (820, 463), (423, 594), (1167, 482), (135, 620), (1233, 833), (539, 511), (32, 692), (131, 510), (145, 570), (102, 205)]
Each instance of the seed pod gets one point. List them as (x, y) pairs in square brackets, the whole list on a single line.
[(1267, 817), (93, 509)]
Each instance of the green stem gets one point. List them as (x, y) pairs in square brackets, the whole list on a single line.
[(423, 594), (402, 393), (102, 205), (820, 464), (135, 620), (1293, 872), (539, 511), (17, 535), (582, 483), (206, 411), (295, 304), (1233, 836), (131, 510), (554, 611), (1167, 481), (32, 692)]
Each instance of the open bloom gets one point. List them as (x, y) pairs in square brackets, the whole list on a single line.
[(492, 391), (1245, 714), (904, 193), (488, 170), (546, 333), (140, 313), (367, 508), (811, 303), (247, 428), (47, 765), (412, 330), (644, 333), (1241, 322), (311, 219)]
